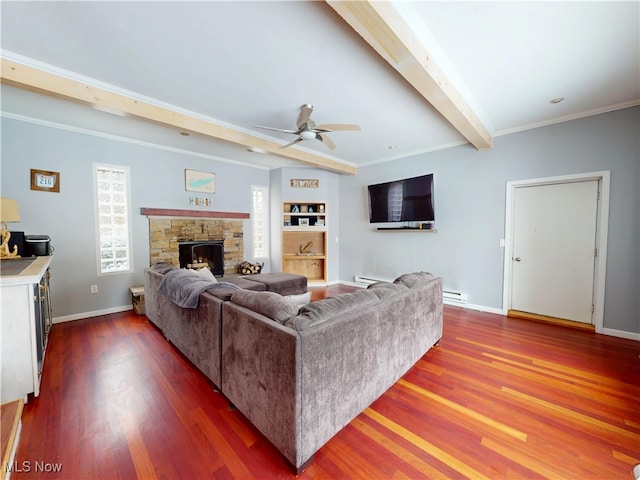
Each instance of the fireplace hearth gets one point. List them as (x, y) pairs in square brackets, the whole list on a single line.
[(198, 254)]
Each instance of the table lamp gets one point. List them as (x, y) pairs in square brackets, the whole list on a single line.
[(8, 213)]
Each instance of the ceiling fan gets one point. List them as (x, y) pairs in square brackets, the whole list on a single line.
[(308, 130)]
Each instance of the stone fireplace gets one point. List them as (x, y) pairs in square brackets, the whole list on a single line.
[(169, 228)]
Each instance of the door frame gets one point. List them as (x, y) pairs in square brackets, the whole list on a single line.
[(602, 228)]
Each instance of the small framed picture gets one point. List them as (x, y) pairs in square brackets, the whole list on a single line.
[(303, 208), (45, 181), (203, 182), (320, 222), (303, 222)]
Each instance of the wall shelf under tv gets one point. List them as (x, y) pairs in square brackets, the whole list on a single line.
[(407, 229)]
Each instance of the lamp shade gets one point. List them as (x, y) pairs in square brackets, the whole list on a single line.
[(9, 210)]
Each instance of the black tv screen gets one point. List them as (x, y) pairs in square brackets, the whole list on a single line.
[(408, 200)]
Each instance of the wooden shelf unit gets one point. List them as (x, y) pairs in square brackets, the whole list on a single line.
[(305, 223)]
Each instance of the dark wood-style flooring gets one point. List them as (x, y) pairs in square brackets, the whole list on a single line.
[(498, 398)]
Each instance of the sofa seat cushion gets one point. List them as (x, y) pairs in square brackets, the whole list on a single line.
[(270, 304), (282, 283), (320, 311)]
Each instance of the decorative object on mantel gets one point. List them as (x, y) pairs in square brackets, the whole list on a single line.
[(202, 182), (45, 180), (304, 183), (8, 213), (201, 201)]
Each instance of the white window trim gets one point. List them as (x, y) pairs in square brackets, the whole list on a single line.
[(129, 270), (265, 233)]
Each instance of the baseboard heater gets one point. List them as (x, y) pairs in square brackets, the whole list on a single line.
[(448, 295), (454, 297), (362, 280)]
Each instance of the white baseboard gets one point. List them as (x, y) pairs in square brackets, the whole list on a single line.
[(620, 333), (96, 313), (480, 308)]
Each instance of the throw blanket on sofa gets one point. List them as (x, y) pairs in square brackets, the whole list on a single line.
[(183, 287)]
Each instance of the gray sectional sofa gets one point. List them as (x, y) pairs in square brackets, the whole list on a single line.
[(300, 374)]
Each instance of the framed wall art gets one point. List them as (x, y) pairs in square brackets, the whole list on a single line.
[(203, 182)]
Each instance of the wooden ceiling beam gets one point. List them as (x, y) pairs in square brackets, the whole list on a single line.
[(30, 78), (382, 27)]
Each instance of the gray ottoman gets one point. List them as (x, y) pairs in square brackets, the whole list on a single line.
[(244, 282), (282, 283)]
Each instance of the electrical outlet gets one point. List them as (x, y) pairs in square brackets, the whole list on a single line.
[(94, 288)]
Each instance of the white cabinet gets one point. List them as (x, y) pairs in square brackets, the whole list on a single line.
[(25, 318)]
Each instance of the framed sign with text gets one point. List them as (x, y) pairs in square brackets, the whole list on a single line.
[(304, 183), (45, 180)]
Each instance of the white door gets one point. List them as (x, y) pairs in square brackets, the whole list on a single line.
[(554, 241)]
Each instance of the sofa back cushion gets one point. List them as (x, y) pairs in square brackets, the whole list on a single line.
[(329, 308), (412, 279), (386, 290), (270, 304), (162, 267)]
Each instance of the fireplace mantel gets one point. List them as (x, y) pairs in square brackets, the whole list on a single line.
[(173, 212)]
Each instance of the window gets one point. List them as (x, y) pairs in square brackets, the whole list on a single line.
[(112, 218), (260, 219), (395, 201)]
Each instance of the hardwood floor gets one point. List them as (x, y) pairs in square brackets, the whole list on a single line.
[(498, 398)]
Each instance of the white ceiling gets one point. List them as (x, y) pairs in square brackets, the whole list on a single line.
[(247, 63)]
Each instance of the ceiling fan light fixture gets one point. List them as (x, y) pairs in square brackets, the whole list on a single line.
[(308, 130), (308, 135)]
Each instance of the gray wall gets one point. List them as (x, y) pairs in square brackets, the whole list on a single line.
[(469, 195), (470, 189), (157, 181)]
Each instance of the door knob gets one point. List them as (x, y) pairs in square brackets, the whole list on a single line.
[(517, 259)]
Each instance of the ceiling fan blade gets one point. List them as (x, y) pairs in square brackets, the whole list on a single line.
[(299, 139), (338, 127), (303, 116), (277, 129), (326, 140)]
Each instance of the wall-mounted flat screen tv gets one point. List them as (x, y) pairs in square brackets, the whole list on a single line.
[(408, 200)]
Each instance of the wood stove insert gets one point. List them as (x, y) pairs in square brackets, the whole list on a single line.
[(198, 254)]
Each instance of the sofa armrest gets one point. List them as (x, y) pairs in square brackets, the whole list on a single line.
[(351, 360), (260, 374)]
